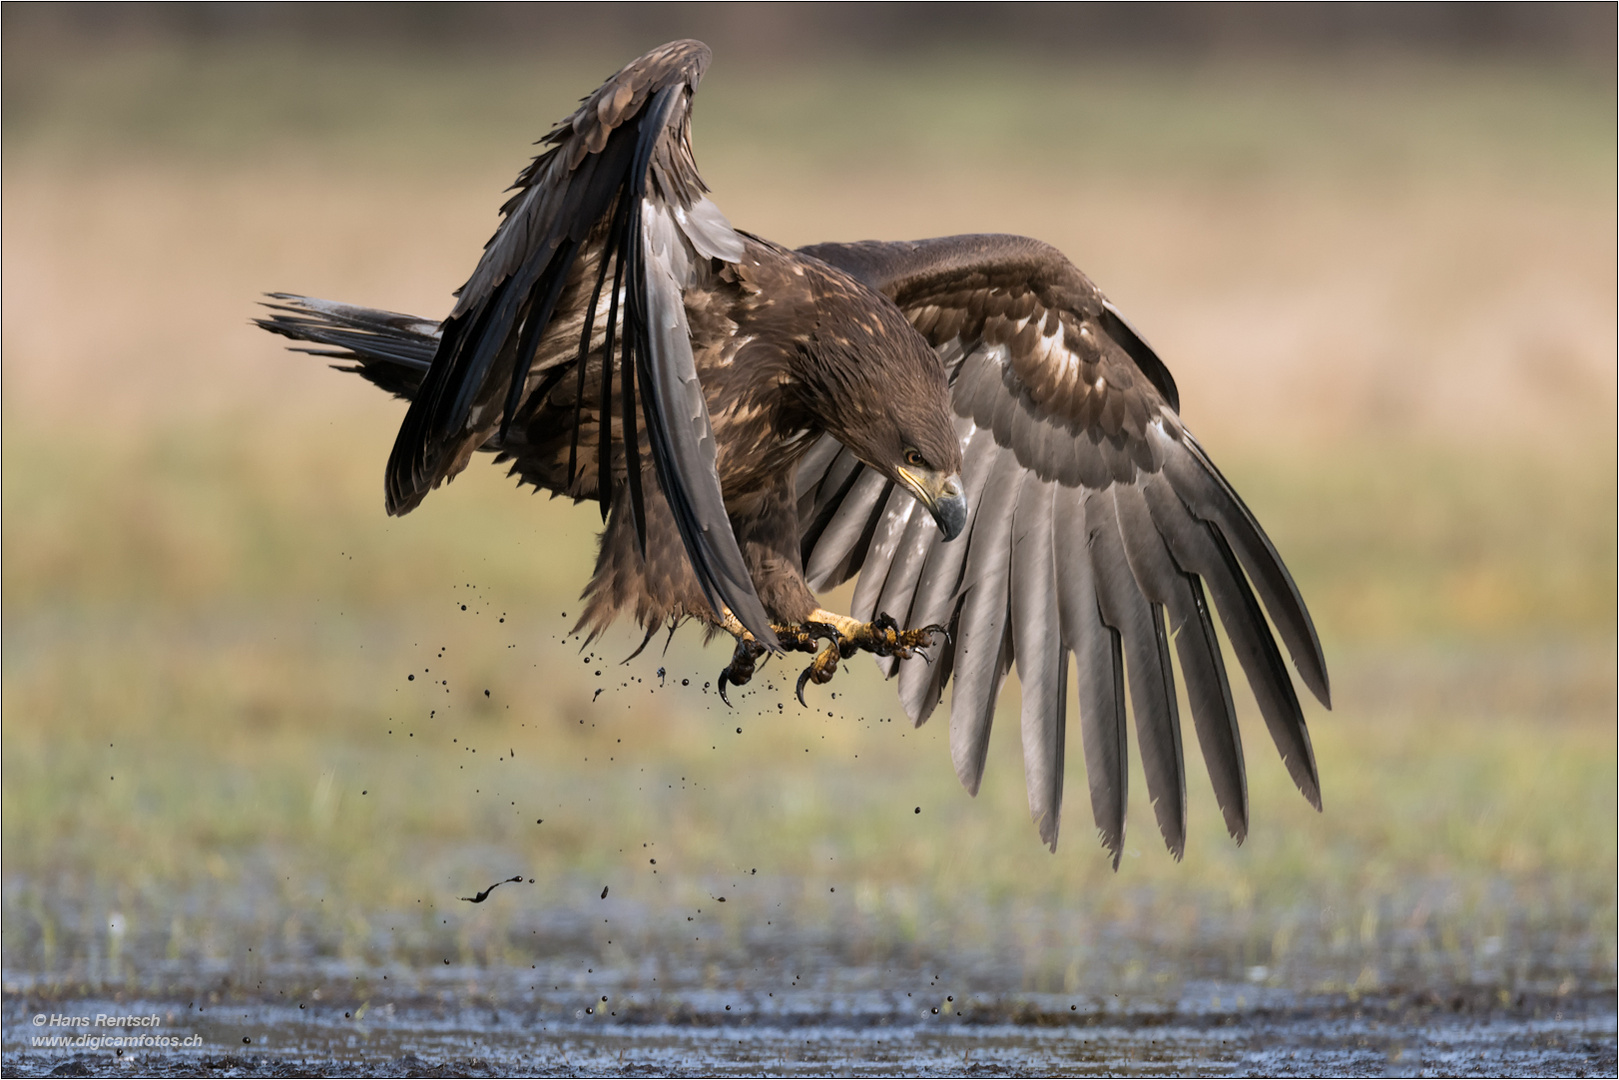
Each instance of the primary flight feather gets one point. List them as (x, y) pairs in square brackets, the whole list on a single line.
[(966, 424)]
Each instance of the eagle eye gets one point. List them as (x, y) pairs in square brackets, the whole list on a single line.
[(914, 459)]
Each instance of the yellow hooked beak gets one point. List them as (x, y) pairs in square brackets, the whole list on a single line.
[(944, 497)]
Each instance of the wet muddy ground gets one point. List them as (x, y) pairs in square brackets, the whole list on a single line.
[(453, 1030)]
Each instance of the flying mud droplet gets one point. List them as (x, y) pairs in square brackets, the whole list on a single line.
[(481, 897), (604, 892)]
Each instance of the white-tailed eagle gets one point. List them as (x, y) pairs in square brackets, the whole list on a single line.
[(966, 423)]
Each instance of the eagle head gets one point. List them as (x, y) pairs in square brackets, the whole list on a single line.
[(880, 390)]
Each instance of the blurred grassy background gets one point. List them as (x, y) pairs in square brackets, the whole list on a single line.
[(245, 710)]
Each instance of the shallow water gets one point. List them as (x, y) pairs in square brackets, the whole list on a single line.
[(461, 1023)]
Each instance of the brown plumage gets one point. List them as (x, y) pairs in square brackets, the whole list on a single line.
[(756, 423)]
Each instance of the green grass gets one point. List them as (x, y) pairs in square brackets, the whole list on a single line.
[(206, 674)]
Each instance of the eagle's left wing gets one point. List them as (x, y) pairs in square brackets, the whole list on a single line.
[(1095, 521), (617, 189)]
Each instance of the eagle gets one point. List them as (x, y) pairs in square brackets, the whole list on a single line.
[(966, 424)]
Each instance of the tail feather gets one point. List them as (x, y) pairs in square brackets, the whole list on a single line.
[(391, 350)]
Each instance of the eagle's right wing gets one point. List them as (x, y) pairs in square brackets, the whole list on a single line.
[(1093, 513), (618, 191)]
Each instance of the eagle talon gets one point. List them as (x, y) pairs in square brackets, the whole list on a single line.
[(821, 630), (922, 637), (820, 670), (844, 638), (740, 669), (802, 679), (725, 675), (803, 637)]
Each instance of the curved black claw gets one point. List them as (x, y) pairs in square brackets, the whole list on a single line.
[(925, 640), (918, 642), (823, 631), (740, 669), (821, 669)]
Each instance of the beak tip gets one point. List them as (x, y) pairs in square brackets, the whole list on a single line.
[(951, 515)]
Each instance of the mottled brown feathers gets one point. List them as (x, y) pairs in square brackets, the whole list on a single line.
[(742, 412)]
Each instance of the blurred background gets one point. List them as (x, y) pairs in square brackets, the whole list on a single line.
[(256, 730)]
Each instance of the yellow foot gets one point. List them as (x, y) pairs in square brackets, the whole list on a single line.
[(881, 637), (800, 638), (844, 637)]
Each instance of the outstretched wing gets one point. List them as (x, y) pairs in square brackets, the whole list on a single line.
[(1095, 523), (617, 189)]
